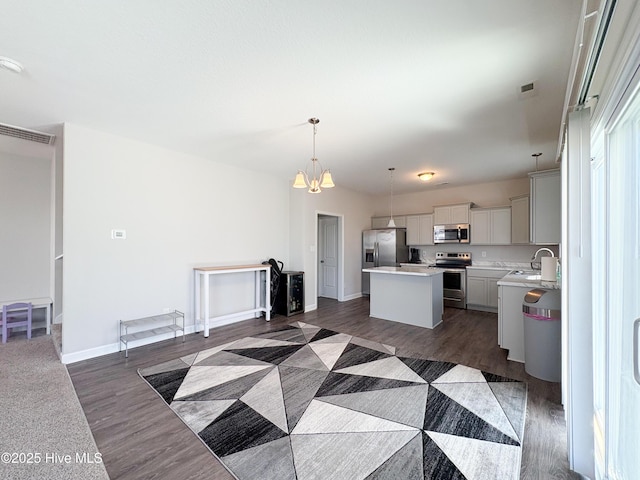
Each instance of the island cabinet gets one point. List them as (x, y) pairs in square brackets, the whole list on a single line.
[(411, 295), (511, 320), (545, 207), (420, 229), (520, 219), (491, 226), (382, 222), (451, 214), (482, 288)]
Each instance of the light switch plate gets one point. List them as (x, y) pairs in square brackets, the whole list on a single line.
[(118, 234)]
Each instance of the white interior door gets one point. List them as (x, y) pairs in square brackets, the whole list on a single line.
[(328, 256)]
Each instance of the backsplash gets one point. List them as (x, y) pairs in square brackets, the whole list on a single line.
[(497, 255)]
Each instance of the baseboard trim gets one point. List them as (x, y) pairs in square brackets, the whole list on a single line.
[(81, 355), (353, 296)]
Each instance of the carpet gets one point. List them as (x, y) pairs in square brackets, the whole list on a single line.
[(304, 402), (44, 433)]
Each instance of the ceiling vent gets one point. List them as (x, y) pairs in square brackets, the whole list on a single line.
[(528, 90), (25, 134)]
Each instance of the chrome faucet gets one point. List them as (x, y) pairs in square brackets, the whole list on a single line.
[(535, 255)]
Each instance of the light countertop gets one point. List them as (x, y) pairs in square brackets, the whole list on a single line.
[(528, 278), (414, 270), (475, 267)]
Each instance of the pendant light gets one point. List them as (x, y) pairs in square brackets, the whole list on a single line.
[(536, 156), (391, 223), (319, 177)]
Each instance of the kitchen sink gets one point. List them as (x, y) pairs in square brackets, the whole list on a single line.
[(527, 274)]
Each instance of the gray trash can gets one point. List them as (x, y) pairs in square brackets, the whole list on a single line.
[(542, 334)]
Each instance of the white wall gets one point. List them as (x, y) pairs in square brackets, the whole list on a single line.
[(491, 194), (356, 210), (25, 226), (179, 212)]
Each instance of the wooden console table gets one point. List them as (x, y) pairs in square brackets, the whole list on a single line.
[(202, 275)]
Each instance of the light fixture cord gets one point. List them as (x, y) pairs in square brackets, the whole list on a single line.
[(314, 160), (536, 155), (391, 197)]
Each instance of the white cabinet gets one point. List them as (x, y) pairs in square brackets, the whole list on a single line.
[(520, 219), (420, 229), (545, 215), (511, 321), (476, 291), (382, 222), (451, 214), (482, 288), (491, 226)]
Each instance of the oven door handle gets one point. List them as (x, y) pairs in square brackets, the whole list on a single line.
[(452, 299)]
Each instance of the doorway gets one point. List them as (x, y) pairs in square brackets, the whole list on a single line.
[(329, 252)]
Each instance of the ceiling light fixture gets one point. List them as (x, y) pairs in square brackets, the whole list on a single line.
[(11, 65), (426, 176), (324, 179), (391, 223)]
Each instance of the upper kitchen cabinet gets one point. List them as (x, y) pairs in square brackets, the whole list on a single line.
[(382, 222), (520, 219), (545, 215), (451, 214), (491, 226), (420, 229)]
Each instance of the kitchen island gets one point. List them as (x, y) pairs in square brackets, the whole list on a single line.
[(511, 291), (408, 294)]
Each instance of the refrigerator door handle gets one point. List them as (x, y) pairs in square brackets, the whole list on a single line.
[(375, 254)]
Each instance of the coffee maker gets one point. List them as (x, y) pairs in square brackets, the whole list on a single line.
[(414, 255)]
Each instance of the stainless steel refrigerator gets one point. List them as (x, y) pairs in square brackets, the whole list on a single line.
[(383, 247)]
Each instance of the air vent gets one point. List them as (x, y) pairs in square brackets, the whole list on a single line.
[(528, 90), (24, 134)]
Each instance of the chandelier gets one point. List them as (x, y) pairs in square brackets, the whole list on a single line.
[(319, 177)]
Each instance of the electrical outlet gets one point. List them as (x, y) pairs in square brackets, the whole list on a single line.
[(118, 234), (484, 254), (167, 310)]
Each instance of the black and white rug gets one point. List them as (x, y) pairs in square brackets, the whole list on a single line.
[(305, 403)]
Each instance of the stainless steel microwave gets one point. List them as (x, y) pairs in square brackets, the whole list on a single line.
[(451, 233)]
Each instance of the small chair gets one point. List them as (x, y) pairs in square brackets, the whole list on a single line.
[(16, 315)]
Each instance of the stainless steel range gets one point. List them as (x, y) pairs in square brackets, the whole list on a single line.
[(454, 278)]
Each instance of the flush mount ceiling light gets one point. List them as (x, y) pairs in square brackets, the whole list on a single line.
[(11, 65), (426, 176), (319, 177)]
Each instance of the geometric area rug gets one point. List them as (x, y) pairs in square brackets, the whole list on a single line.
[(304, 402)]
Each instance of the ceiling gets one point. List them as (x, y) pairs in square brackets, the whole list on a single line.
[(416, 85)]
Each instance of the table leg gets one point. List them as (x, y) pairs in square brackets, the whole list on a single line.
[(267, 294), (206, 304), (257, 289), (197, 311)]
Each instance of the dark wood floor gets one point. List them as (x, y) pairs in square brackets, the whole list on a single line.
[(141, 438)]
